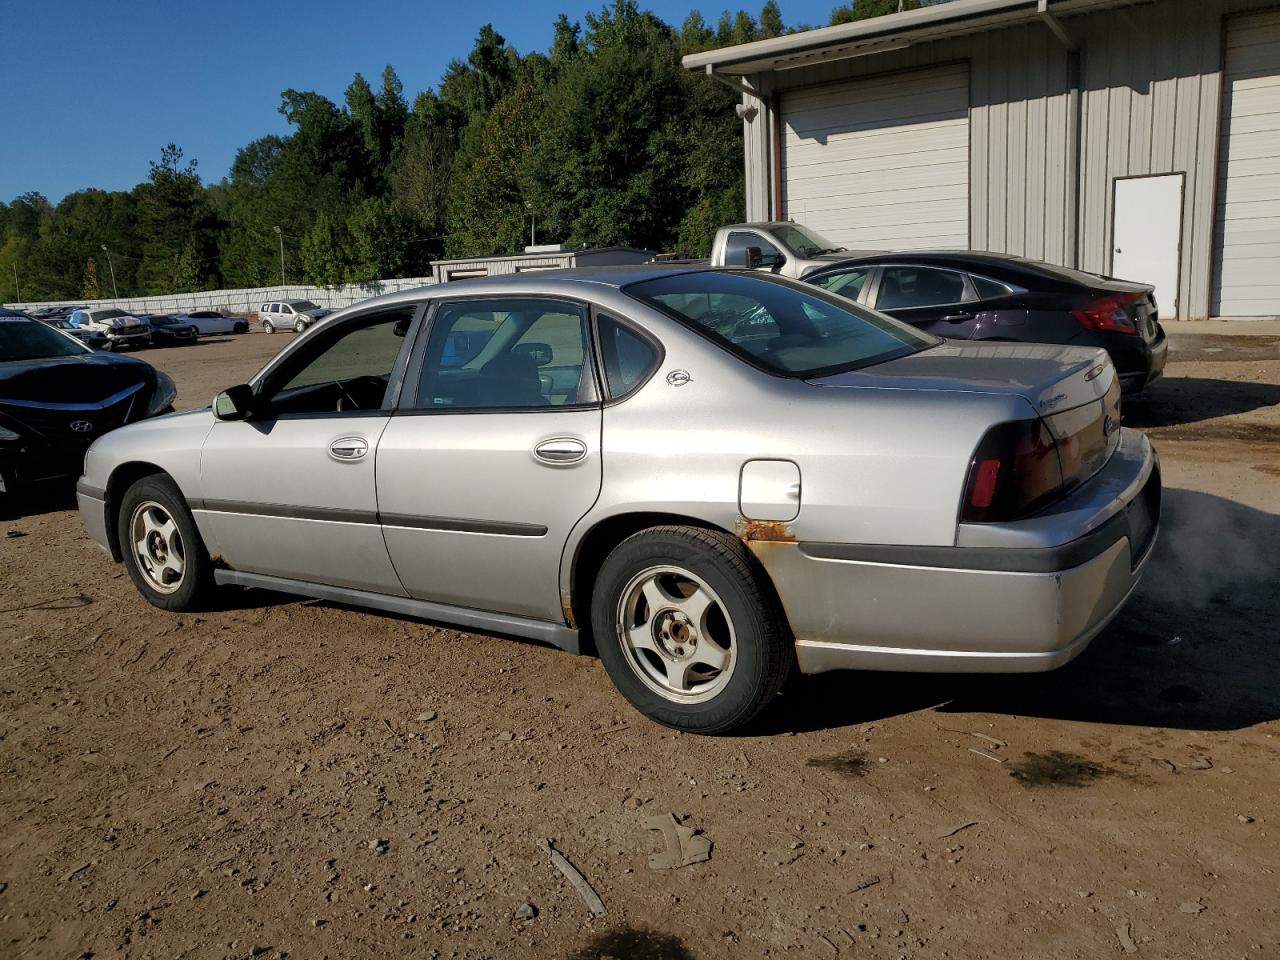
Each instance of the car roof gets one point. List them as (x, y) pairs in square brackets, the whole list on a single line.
[(568, 282)]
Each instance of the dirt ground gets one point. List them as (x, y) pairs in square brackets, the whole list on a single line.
[(292, 777)]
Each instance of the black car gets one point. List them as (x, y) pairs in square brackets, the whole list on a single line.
[(169, 331), (992, 296), (90, 338), (57, 396)]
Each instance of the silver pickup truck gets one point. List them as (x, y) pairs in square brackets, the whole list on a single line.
[(784, 247)]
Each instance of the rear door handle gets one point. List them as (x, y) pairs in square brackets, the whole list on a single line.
[(957, 317), (349, 448), (561, 450)]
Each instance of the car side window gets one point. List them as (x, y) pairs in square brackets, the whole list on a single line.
[(740, 240), (503, 354), (847, 283), (902, 288), (989, 289), (628, 358), (348, 369)]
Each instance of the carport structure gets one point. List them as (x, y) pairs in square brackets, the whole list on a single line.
[(1137, 138)]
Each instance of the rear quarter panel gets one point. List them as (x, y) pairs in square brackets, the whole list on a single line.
[(877, 465)]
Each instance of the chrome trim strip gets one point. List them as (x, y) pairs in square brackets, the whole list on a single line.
[(101, 405), (333, 515), (556, 634), (502, 528)]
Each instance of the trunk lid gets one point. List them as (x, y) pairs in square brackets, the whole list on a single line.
[(1075, 390), (1051, 377)]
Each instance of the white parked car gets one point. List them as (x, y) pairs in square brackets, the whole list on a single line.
[(121, 329), (214, 321), (295, 315)]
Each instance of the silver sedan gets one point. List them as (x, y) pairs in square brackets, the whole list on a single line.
[(705, 476)]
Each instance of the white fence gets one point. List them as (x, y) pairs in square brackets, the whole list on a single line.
[(246, 300)]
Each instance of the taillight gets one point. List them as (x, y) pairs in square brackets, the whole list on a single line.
[(1014, 472), (1108, 313)]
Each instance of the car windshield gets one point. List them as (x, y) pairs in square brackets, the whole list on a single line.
[(98, 315), (303, 305), (23, 339), (778, 325), (803, 241)]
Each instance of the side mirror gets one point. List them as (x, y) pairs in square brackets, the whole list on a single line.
[(741, 257), (540, 353), (234, 403), (756, 259)]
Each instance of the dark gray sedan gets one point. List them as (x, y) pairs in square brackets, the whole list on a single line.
[(991, 296)]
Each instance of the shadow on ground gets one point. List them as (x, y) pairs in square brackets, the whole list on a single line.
[(50, 496), (1196, 647), (1184, 400)]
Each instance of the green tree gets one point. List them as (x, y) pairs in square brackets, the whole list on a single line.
[(177, 227), (90, 289), (865, 9)]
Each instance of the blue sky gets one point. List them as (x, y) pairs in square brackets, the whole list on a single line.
[(92, 91)]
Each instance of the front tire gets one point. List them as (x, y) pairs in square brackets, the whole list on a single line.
[(240, 327), (688, 631), (299, 326), (163, 552)]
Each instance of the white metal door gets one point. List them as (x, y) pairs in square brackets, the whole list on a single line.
[(1247, 279), (881, 163), (1146, 235)]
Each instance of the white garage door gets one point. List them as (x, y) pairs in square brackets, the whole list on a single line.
[(882, 162), (1248, 231)]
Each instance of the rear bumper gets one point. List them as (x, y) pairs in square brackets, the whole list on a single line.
[(1138, 363), (1016, 605)]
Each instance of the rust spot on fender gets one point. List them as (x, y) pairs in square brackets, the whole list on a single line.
[(566, 605), (770, 531), (218, 562)]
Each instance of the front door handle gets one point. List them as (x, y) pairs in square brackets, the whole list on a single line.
[(561, 450), (957, 317), (349, 448)]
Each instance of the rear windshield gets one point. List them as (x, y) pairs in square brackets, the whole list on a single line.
[(778, 325), (1062, 273), (33, 340)]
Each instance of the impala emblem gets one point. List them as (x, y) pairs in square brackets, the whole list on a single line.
[(81, 426), (678, 378)]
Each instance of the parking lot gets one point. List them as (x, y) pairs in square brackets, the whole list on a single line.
[(280, 776)]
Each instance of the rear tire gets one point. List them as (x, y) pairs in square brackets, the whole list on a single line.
[(268, 326), (163, 552), (688, 630)]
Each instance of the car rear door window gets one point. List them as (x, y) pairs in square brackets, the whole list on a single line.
[(847, 283), (989, 289), (627, 357), (905, 287), (504, 354)]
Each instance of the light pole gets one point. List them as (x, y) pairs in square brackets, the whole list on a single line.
[(281, 236), (114, 292), (17, 289), (533, 222)]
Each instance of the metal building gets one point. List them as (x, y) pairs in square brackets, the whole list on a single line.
[(1137, 138), (552, 256)]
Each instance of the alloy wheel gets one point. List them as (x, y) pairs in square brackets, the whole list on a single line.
[(676, 634), (158, 547)]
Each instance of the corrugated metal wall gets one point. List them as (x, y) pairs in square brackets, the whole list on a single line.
[(1150, 89)]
